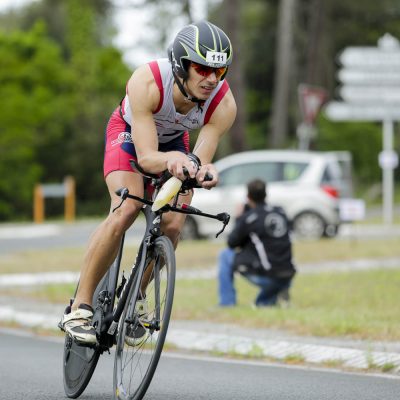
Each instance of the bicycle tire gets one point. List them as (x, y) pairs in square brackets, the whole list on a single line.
[(134, 366), (79, 362)]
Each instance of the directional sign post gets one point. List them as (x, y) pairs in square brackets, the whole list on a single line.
[(370, 91)]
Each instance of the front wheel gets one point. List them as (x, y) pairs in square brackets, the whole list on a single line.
[(135, 365)]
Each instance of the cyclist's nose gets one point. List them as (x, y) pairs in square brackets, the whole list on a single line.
[(212, 78)]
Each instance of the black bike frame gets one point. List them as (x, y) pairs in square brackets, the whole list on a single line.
[(110, 321), (151, 233)]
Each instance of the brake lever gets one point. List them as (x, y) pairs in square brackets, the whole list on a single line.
[(224, 218), (123, 193)]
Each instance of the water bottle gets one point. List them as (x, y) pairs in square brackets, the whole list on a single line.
[(166, 193)]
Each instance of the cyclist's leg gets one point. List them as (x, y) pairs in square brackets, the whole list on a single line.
[(172, 223), (104, 243), (171, 226)]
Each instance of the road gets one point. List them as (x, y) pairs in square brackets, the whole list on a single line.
[(16, 237), (21, 237), (31, 368)]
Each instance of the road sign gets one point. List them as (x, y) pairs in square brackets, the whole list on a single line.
[(351, 210), (341, 111), (311, 99), (369, 57), (386, 54), (370, 94), (354, 76)]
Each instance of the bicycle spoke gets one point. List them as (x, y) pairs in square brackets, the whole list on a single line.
[(135, 365)]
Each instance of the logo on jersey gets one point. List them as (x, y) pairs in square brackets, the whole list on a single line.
[(275, 225), (123, 137)]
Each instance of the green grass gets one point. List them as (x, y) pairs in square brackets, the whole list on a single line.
[(360, 305), (201, 254)]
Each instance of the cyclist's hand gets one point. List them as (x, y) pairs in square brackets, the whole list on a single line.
[(207, 169), (176, 161)]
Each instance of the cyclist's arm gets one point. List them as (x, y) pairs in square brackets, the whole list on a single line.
[(210, 135), (144, 97)]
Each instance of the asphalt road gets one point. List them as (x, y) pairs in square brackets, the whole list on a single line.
[(15, 237), (31, 368)]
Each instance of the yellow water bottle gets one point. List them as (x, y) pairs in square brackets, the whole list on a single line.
[(166, 193)]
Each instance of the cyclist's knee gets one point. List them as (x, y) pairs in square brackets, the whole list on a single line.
[(173, 230), (122, 218)]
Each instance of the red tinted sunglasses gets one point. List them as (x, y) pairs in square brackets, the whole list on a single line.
[(203, 70)]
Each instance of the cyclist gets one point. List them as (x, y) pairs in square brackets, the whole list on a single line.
[(164, 100)]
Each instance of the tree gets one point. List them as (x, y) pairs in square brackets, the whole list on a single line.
[(283, 81), (34, 83), (73, 86), (232, 24)]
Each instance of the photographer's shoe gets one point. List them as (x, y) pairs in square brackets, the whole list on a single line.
[(77, 323), (136, 334)]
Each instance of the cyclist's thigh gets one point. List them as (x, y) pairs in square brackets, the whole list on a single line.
[(129, 179)]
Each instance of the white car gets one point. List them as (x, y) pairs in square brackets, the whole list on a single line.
[(307, 185)]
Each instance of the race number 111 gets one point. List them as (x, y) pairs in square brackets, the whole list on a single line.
[(216, 57)]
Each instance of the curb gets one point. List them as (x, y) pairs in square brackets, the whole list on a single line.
[(288, 350)]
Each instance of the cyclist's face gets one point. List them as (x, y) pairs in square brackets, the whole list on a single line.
[(202, 81)]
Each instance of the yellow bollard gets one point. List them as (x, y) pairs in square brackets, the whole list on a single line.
[(38, 205), (69, 205)]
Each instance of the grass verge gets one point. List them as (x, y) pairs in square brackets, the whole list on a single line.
[(201, 254), (359, 305)]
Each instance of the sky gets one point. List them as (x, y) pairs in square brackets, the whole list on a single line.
[(132, 28)]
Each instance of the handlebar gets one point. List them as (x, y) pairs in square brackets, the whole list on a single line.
[(187, 184), (183, 208)]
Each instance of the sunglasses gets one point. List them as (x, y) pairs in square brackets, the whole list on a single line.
[(203, 70)]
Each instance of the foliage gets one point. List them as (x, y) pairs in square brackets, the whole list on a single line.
[(34, 89), (363, 140), (59, 96), (61, 78)]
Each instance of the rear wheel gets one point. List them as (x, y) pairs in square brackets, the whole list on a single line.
[(134, 366), (79, 362), (309, 225)]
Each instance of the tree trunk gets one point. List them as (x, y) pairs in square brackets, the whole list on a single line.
[(284, 59), (235, 75)]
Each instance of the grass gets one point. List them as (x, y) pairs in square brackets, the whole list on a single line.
[(360, 304), (201, 254)]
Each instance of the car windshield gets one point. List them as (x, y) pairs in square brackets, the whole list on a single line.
[(267, 171)]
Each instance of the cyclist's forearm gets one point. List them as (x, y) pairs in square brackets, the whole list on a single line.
[(153, 161)]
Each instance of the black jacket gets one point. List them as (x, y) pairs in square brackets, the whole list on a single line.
[(261, 235)]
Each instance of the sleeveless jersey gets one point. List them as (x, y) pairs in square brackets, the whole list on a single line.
[(170, 124)]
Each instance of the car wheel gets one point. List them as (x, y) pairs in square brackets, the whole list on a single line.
[(331, 231), (309, 225), (190, 230)]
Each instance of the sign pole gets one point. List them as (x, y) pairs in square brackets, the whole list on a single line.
[(387, 173)]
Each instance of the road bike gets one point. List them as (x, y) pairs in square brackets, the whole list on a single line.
[(152, 277)]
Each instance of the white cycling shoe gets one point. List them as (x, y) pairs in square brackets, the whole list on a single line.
[(77, 324), (136, 335)]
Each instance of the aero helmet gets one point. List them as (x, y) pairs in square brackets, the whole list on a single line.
[(203, 43)]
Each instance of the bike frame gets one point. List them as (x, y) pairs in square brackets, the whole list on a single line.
[(108, 317)]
